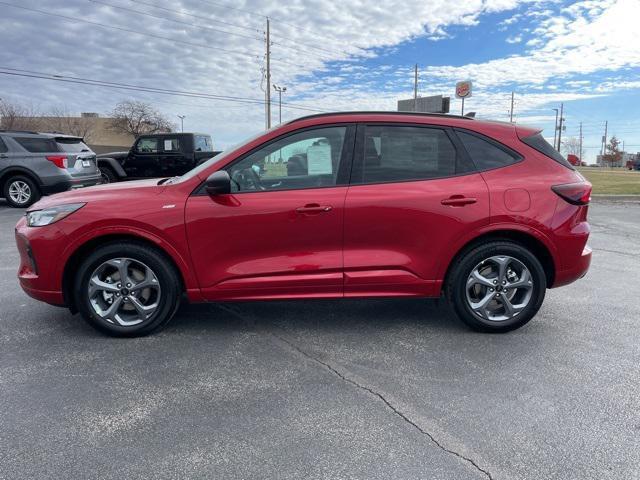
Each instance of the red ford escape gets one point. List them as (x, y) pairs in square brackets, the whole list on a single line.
[(328, 206)]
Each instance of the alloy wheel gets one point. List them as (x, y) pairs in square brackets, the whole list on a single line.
[(19, 192), (499, 288), (124, 292)]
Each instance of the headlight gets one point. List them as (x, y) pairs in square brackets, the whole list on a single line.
[(47, 216)]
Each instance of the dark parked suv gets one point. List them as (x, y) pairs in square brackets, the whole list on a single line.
[(34, 164)]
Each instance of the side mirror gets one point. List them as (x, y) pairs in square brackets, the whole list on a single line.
[(218, 183)]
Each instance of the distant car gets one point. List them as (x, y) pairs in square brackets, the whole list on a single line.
[(157, 155), (328, 206), (33, 164)]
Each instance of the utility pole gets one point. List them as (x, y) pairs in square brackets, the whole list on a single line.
[(580, 142), (415, 89), (280, 91), (181, 117), (555, 128), (511, 112), (268, 73), (604, 138), (560, 126)]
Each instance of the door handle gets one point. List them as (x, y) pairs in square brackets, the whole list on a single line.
[(313, 209), (458, 201)]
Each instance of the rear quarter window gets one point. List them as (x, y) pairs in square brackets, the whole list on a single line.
[(485, 153), (37, 145), (537, 142)]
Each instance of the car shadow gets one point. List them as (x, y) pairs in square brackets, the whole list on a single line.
[(320, 315)]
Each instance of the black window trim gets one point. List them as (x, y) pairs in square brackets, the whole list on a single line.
[(344, 170), (3, 146), (516, 156), (359, 151)]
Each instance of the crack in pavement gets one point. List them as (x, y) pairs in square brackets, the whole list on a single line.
[(627, 254), (376, 394)]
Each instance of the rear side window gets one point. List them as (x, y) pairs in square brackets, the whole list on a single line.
[(485, 154), (3, 147), (538, 142), (37, 145), (203, 143), (72, 145), (401, 153), (171, 145)]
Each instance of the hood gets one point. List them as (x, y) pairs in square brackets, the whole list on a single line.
[(105, 192), (113, 154)]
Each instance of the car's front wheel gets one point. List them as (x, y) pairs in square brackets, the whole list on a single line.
[(496, 287), (127, 289), (20, 191)]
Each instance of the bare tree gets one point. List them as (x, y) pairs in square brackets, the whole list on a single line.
[(571, 146), (14, 116), (612, 155), (60, 120), (138, 118)]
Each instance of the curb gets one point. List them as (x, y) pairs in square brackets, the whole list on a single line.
[(616, 198)]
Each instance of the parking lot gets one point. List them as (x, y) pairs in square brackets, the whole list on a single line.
[(328, 389)]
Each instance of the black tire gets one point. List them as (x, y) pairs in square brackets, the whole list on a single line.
[(463, 266), (34, 191), (167, 278), (108, 175)]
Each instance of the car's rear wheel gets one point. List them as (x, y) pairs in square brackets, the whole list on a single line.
[(127, 289), (108, 175), (20, 191), (496, 287)]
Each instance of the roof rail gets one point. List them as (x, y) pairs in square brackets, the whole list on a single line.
[(380, 112), (18, 131)]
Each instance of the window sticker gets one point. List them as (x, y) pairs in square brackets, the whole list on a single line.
[(168, 145), (319, 159)]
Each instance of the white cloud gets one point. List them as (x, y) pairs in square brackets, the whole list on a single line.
[(516, 39)]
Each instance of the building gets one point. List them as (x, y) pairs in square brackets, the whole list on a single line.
[(96, 130), (432, 104)]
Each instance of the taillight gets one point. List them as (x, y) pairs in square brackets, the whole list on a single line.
[(574, 193), (59, 161)]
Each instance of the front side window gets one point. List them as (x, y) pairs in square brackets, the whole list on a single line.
[(402, 153), (37, 145), (147, 145), (484, 154), (203, 143), (308, 159)]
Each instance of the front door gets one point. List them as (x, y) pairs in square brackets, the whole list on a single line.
[(279, 233), (143, 161), (413, 195)]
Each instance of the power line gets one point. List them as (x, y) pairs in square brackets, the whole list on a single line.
[(125, 86), (203, 27), (137, 32)]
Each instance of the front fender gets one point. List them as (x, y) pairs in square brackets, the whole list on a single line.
[(113, 164)]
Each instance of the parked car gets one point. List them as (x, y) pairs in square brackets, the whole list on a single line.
[(33, 164), (157, 155), (328, 206)]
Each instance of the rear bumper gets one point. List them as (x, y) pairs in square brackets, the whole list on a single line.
[(68, 183), (577, 271), (88, 181)]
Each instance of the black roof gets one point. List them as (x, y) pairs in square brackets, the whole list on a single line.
[(381, 112)]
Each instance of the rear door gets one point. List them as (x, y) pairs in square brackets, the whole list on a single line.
[(175, 157), (81, 160), (412, 195)]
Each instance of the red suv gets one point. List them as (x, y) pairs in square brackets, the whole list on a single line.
[(327, 206)]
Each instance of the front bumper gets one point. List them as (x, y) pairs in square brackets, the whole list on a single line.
[(38, 253)]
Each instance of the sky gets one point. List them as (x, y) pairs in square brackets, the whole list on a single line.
[(204, 59)]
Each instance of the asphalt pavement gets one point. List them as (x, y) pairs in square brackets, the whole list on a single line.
[(375, 389)]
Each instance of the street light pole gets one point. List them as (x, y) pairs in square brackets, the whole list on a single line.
[(182, 117), (280, 91), (555, 128)]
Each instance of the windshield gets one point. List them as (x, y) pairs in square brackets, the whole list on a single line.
[(212, 161)]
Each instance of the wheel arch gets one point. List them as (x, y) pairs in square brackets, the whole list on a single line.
[(113, 164), (14, 171), (531, 242), (75, 259)]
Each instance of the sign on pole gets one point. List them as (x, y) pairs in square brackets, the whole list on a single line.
[(463, 90)]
